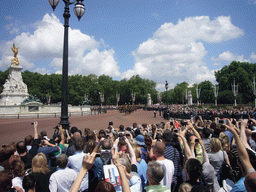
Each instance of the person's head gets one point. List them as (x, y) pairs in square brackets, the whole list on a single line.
[(250, 182), (122, 144), (73, 130), (5, 181), (39, 164), (138, 154), (215, 145), (148, 140), (167, 136), (77, 135), (106, 144), (134, 125), (43, 134), (155, 172), (8, 151), (159, 148), (121, 128), (102, 133), (91, 136), (86, 130), (140, 140), (79, 144), (21, 147), (90, 146), (29, 183), (206, 133), (62, 161), (224, 139), (105, 186), (17, 166), (185, 187), (29, 140), (125, 162), (193, 169)]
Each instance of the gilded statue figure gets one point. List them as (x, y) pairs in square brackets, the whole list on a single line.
[(15, 60)]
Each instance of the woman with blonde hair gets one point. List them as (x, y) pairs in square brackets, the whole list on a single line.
[(41, 172), (217, 156)]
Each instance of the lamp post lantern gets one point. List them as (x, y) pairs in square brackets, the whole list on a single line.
[(79, 11), (166, 88)]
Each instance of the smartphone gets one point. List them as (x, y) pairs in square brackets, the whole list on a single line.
[(32, 123), (175, 130)]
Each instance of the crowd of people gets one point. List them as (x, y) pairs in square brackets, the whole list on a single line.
[(195, 154)]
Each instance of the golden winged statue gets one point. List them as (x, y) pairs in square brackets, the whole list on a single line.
[(15, 60)]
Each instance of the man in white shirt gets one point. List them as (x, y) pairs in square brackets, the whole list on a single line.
[(158, 150), (75, 161), (61, 180)]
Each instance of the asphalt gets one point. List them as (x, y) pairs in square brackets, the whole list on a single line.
[(14, 130)]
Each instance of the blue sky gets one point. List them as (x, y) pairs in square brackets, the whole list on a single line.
[(183, 40)]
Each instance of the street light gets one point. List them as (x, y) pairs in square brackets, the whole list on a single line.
[(166, 87), (79, 11)]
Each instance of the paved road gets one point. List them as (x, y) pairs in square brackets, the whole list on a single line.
[(16, 129)]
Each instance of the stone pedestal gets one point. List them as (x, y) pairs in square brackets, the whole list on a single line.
[(190, 101), (15, 90)]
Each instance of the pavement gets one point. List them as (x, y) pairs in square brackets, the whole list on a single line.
[(14, 130)]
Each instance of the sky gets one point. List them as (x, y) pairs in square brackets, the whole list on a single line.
[(173, 40)]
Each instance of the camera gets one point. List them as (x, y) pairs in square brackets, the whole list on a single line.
[(175, 130), (221, 122), (196, 140), (106, 156), (32, 123)]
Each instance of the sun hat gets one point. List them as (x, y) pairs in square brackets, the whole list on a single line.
[(140, 140)]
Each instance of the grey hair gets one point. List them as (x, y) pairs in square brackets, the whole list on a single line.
[(62, 160), (126, 163), (156, 170)]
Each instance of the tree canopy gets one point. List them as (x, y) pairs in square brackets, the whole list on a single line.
[(78, 85)]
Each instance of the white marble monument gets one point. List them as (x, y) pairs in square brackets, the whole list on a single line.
[(15, 90)]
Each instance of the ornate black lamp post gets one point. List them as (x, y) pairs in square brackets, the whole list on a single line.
[(166, 87), (79, 11)]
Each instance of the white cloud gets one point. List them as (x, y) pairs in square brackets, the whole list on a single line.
[(229, 57), (175, 52), (253, 57), (46, 44), (42, 70)]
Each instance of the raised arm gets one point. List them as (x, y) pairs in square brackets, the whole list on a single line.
[(131, 152), (116, 161), (88, 161), (62, 141), (35, 130), (242, 153)]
